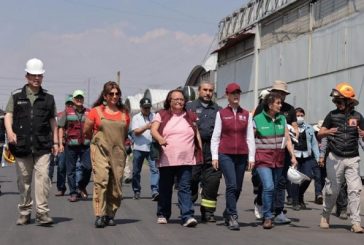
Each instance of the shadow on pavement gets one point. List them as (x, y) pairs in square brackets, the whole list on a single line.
[(126, 221), (9, 193), (57, 220), (251, 224), (345, 227)]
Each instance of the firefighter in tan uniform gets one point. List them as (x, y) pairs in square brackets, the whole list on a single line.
[(109, 123)]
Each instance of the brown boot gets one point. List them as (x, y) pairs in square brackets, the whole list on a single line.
[(324, 223), (356, 228)]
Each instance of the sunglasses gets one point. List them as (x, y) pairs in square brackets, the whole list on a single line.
[(338, 101), (114, 94)]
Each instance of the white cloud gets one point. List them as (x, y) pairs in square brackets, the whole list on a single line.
[(149, 36), (158, 58)]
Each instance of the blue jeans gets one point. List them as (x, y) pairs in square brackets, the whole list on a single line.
[(166, 182), (269, 178), (283, 184), (138, 159), (317, 178), (233, 169), (61, 172), (305, 166), (52, 163), (73, 153)]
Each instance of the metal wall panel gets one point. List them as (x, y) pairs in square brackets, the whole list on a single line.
[(294, 59), (240, 71), (328, 50), (269, 66), (314, 94), (245, 73), (355, 39), (225, 74), (328, 11)]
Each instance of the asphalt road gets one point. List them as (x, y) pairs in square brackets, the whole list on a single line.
[(136, 222)]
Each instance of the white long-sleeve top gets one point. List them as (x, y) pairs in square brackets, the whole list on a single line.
[(215, 140)]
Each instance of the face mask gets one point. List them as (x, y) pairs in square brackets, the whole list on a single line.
[(300, 120)]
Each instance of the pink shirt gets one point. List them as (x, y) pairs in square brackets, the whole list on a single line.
[(180, 142)]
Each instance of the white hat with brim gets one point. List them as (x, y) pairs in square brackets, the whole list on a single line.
[(263, 94), (78, 92)]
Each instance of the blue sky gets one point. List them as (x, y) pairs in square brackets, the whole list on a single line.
[(83, 43)]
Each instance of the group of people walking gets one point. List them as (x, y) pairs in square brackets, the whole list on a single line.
[(189, 145)]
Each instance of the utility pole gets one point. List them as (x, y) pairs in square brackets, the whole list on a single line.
[(118, 77), (88, 92)]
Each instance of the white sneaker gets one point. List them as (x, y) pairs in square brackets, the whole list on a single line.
[(282, 219), (191, 222), (258, 211), (162, 220)]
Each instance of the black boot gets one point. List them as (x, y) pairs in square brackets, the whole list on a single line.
[(109, 221), (100, 222)]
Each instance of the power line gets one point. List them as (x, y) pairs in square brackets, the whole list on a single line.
[(138, 13), (178, 11), (209, 49)]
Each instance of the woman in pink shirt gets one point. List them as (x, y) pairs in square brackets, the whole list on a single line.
[(176, 132)]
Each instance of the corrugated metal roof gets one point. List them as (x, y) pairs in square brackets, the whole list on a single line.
[(248, 15), (132, 103)]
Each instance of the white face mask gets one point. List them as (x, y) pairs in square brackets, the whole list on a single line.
[(300, 120)]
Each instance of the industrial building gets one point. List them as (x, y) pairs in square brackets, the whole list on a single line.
[(310, 44)]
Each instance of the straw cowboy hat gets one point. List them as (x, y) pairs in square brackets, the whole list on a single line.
[(279, 85)]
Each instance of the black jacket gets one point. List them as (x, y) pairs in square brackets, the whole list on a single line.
[(205, 123), (2, 127), (345, 141), (31, 123)]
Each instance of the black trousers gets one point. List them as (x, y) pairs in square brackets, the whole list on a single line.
[(209, 178)]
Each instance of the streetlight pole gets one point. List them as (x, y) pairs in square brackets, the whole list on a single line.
[(88, 92), (118, 77)]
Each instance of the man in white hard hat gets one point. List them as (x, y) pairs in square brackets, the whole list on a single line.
[(31, 129)]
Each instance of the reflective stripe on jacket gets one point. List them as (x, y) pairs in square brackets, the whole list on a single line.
[(269, 140)]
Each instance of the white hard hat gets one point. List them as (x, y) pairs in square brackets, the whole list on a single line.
[(295, 176), (34, 66), (263, 94)]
